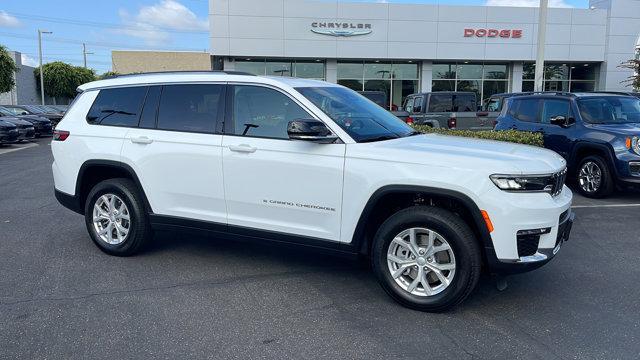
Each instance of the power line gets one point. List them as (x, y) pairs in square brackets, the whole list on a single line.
[(105, 25)]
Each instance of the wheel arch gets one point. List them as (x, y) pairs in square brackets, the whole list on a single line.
[(584, 149), (93, 171), (377, 210)]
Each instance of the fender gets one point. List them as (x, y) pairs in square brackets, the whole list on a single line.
[(604, 147), (114, 165), (485, 238)]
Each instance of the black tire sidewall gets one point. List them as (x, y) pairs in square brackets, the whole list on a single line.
[(122, 189), (606, 182), (467, 257)]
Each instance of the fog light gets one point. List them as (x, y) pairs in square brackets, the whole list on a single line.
[(534, 231)]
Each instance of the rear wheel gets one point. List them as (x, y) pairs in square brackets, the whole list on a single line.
[(426, 258), (594, 178), (115, 217)]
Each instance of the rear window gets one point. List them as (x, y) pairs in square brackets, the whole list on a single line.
[(190, 108), (464, 103), (118, 107), (524, 109), (441, 103)]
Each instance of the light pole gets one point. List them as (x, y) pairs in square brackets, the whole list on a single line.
[(84, 54), (542, 33), (40, 32)]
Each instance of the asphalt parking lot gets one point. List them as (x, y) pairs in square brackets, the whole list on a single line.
[(60, 297)]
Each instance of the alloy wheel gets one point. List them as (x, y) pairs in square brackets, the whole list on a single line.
[(590, 177), (111, 219), (421, 261)]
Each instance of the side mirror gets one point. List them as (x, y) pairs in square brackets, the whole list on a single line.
[(310, 130), (24, 113), (561, 121)]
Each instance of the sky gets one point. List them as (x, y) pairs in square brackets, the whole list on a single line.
[(135, 25)]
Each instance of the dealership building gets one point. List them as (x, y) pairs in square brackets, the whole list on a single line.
[(405, 48)]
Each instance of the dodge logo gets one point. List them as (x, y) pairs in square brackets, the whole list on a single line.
[(505, 33)]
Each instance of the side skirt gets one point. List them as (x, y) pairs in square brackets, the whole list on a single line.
[(252, 235)]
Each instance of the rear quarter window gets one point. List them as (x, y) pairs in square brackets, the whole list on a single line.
[(117, 106), (524, 109)]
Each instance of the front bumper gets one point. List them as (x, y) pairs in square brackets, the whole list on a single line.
[(9, 137), (26, 133)]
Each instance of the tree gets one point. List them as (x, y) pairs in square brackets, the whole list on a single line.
[(633, 80), (107, 75), (8, 68), (62, 79)]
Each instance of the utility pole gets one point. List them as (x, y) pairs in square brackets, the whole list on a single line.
[(542, 33), (84, 54), (40, 32)]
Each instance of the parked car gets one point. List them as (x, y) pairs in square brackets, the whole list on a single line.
[(310, 163), (54, 117), (25, 128), (42, 126), (597, 133), (61, 108), (446, 109), (8, 132)]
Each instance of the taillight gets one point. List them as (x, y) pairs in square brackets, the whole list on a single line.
[(452, 123), (409, 120), (60, 135)]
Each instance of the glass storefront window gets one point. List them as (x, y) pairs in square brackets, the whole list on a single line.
[(470, 85), (579, 86), (583, 72), (443, 85), (528, 71), (251, 66), (351, 84), (495, 72), (490, 87), (562, 77), (277, 68), (469, 71), (444, 71), (377, 71), (405, 71), (309, 69), (556, 72), (350, 70), (556, 86)]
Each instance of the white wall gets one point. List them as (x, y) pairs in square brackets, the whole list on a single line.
[(282, 28)]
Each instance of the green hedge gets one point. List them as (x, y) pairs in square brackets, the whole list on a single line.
[(519, 137)]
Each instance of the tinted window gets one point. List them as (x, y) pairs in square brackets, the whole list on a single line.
[(464, 103), (552, 108), (610, 110), (150, 110), (192, 108), (263, 112), (493, 104), (417, 105), (525, 110), (119, 106), (409, 105), (441, 103)]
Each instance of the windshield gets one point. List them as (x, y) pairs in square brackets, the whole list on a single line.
[(33, 109), (610, 110), (5, 112), (362, 119)]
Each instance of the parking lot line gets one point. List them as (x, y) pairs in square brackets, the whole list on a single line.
[(604, 205), (17, 147)]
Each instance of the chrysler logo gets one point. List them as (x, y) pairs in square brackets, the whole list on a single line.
[(343, 29)]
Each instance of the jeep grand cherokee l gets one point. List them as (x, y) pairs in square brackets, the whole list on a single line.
[(309, 163)]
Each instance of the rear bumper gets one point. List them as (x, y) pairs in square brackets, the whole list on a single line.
[(71, 202)]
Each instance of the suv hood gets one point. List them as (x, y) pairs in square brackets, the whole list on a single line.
[(6, 125), (34, 118), (17, 121), (620, 129), (492, 157)]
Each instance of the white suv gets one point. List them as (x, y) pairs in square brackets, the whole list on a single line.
[(310, 163)]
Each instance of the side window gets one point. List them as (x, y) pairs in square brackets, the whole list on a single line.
[(117, 106), (464, 103), (190, 108), (408, 107), (552, 108), (150, 109), (525, 110), (493, 104), (263, 112), (417, 105), (440, 103)]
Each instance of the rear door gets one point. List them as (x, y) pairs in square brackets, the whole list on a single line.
[(177, 152), (556, 138), (271, 182)]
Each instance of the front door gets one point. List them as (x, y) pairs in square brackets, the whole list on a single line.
[(271, 182)]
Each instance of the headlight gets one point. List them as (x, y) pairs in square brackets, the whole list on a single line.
[(635, 144), (523, 182)]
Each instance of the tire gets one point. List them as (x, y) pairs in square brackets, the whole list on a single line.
[(462, 243), (604, 184), (139, 233)]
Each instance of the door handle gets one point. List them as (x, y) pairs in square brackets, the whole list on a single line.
[(244, 148), (141, 140)]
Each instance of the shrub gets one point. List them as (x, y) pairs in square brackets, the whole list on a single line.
[(514, 136)]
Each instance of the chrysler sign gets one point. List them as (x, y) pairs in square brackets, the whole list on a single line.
[(344, 29), (492, 33)]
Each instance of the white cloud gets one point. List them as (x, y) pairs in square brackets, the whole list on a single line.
[(153, 23), (7, 20), (28, 60), (527, 3)]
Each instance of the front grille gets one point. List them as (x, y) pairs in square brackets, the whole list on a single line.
[(528, 244), (557, 182), (634, 167)]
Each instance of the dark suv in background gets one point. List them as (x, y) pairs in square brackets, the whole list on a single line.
[(41, 125), (597, 133)]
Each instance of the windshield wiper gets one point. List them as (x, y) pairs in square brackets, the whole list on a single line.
[(379, 138)]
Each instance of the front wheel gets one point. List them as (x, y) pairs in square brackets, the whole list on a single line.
[(426, 258), (594, 177)]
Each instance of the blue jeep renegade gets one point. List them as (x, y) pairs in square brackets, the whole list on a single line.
[(597, 133)]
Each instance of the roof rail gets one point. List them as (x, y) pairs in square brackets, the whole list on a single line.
[(182, 72)]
